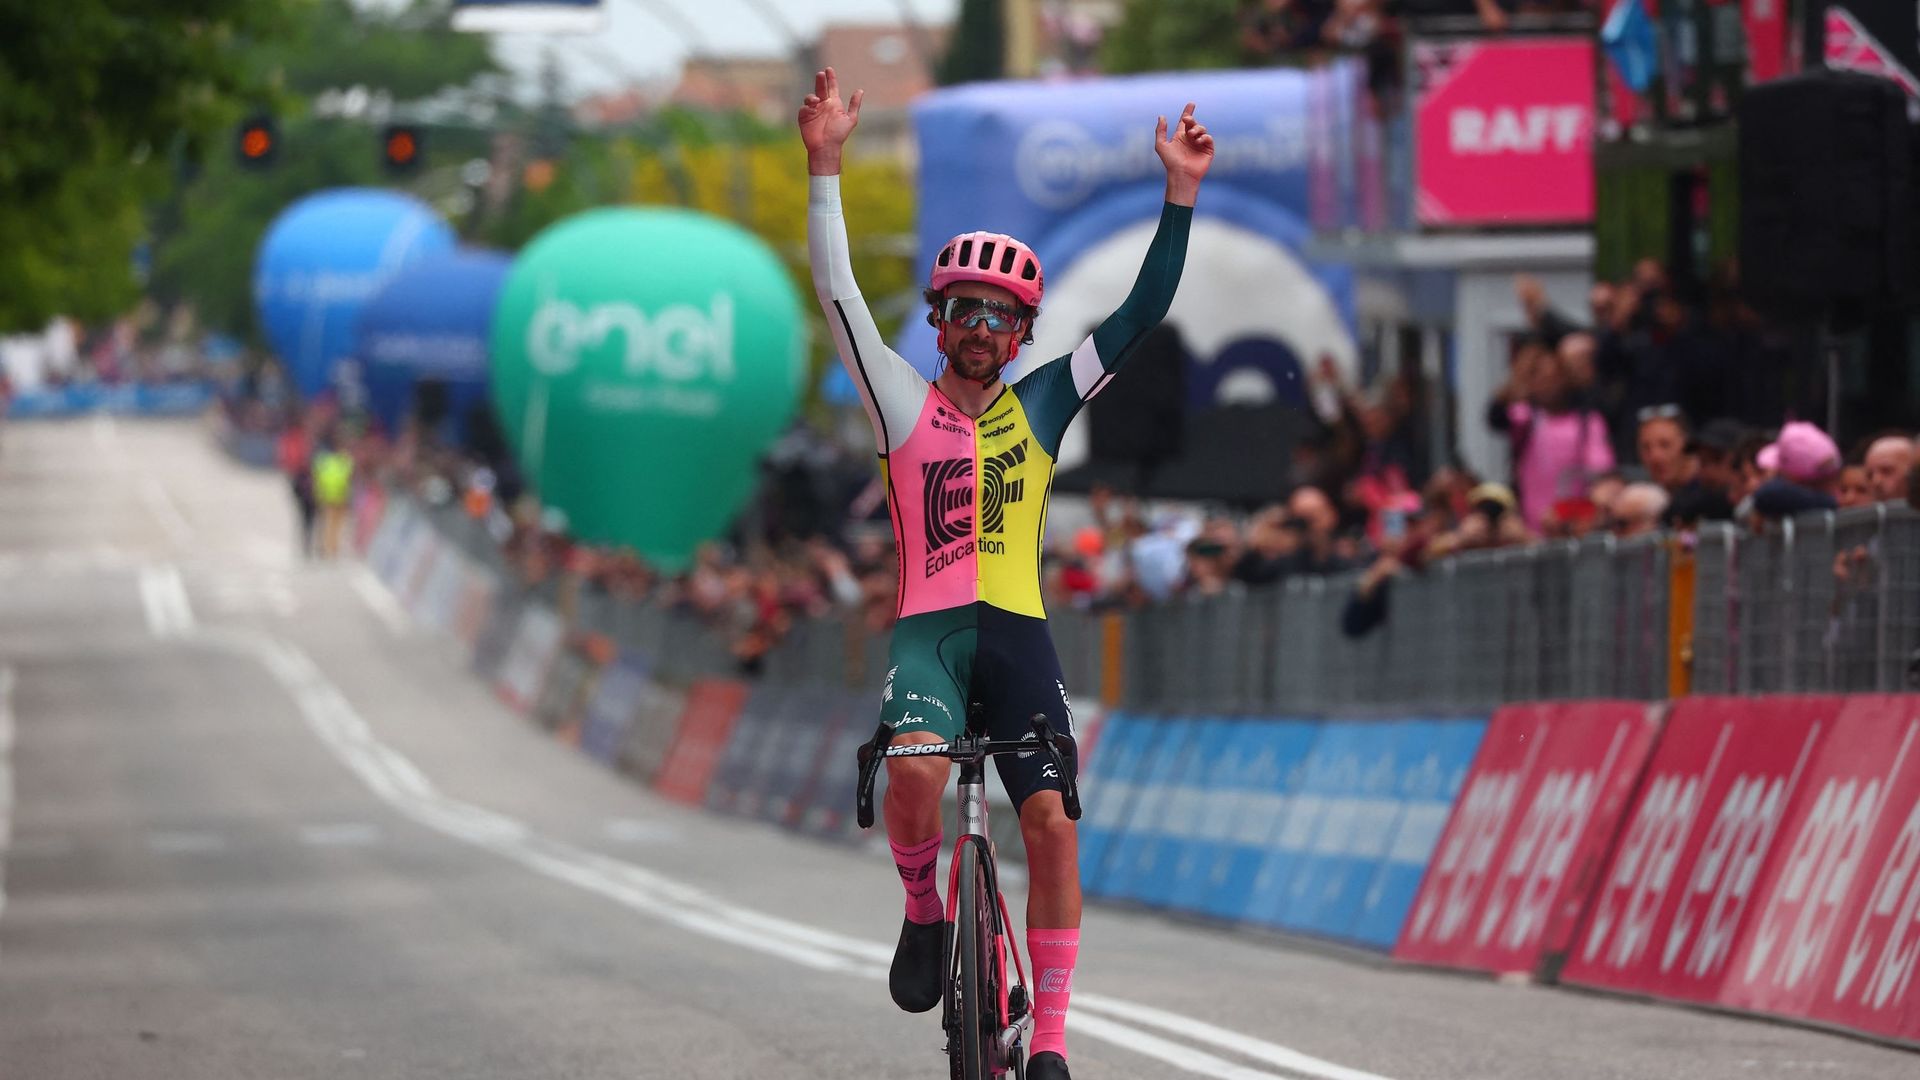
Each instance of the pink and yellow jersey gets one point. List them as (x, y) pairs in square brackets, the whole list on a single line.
[(969, 495)]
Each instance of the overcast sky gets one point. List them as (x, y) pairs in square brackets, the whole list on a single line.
[(641, 44)]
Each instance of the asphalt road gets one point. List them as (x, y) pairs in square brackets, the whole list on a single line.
[(253, 825)]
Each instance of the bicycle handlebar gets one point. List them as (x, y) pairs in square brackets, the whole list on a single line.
[(875, 750)]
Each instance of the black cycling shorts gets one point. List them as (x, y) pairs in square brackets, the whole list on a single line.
[(941, 660)]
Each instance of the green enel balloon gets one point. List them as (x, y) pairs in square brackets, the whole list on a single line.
[(642, 360)]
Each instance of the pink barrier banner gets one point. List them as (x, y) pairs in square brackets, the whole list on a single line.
[(1523, 846), (1836, 934), (713, 705), (1503, 132), (1680, 890)]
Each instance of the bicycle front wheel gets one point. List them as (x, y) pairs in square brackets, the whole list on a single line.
[(973, 1044)]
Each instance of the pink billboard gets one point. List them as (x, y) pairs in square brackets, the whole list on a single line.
[(1504, 132)]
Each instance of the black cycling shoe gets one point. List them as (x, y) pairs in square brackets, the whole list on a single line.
[(1047, 1065), (915, 978)]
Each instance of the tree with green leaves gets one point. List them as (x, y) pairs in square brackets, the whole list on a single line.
[(977, 50), (206, 234), (97, 99), (1156, 36)]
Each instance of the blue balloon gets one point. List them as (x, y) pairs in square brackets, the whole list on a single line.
[(320, 262), (430, 326)]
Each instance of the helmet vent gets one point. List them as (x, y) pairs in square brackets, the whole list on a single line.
[(966, 253), (1030, 271), (946, 255), (1006, 261), (986, 255)]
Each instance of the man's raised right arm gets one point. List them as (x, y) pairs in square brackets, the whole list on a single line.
[(892, 391)]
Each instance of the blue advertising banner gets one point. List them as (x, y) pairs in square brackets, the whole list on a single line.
[(1250, 786), (616, 698), (125, 399), (1361, 768), (1134, 853), (1107, 790), (429, 326), (1171, 855), (1076, 177), (529, 16), (1429, 782)]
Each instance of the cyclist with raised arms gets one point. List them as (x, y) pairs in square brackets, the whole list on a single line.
[(968, 462)]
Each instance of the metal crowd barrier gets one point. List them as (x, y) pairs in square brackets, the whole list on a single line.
[(1828, 602)]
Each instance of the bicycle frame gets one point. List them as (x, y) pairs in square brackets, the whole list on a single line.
[(972, 787)]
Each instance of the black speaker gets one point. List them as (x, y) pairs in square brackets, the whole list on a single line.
[(1826, 193), (1140, 416)]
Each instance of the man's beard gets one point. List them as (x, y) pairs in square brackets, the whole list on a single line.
[(981, 370)]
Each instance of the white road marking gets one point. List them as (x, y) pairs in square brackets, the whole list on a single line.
[(100, 558), (374, 592), (166, 512), (342, 834), (164, 595), (268, 552), (397, 782), (184, 842), (39, 847), (638, 831), (6, 777), (105, 435)]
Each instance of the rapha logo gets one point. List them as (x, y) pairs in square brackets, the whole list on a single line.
[(996, 491)]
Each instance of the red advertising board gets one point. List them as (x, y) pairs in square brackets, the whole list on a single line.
[(1524, 844), (1836, 929), (1679, 891), (712, 707), (1503, 132)]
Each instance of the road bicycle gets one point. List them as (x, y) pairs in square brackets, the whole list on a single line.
[(986, 1016)]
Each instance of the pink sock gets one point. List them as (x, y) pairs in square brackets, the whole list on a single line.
[(1052, 954), (917, 864)]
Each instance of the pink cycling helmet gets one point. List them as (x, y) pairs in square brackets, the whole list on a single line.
[(993, 258)]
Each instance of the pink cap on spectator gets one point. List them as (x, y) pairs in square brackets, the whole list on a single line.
[(1802, 453)]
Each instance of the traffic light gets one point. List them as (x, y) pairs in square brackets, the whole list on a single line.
[(400, 148), (257, 141)]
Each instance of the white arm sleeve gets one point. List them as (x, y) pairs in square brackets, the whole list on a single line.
[(890, 388)]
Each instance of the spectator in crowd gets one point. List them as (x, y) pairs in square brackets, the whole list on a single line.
[(1854, 489), (1209, 566), (1559, 445), (1492, 521), (1272, 27), (1805, 468), (1638, 508), (1312, 514), (295, 454), (1546, 323), (1699, 479), (1889, 462), (1270, 548), (332, 490)]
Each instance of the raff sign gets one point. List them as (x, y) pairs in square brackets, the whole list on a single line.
[(642, 359), (1504, 132)]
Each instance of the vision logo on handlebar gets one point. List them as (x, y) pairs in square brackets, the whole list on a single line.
[(916, 749)]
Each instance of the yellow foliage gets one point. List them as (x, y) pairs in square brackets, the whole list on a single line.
[(764, 188)]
